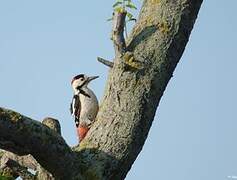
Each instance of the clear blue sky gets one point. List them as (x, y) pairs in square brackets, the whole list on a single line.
[(44, 43)]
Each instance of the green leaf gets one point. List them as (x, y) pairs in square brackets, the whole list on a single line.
[(119, 9), (132, 6), (129, 15), (117, 4)]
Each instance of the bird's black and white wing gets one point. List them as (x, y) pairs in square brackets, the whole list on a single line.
[(75, 109)]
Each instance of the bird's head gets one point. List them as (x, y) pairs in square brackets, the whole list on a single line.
[(81, 81)]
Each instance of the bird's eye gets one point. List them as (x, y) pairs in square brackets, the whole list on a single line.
[(81, 79)]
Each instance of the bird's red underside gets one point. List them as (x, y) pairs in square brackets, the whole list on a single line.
[(82, 131)]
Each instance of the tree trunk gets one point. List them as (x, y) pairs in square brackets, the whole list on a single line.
[(136, 83)]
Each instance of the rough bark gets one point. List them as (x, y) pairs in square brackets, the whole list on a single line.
[(23, 163), (22, 136), (17, 170), (136, 82)]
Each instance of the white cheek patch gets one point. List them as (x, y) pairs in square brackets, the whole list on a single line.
[(75, 84), (73, 107)]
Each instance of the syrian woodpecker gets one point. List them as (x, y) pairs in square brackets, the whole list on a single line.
[(84, 105)]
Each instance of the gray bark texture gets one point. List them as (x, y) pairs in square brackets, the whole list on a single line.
[(137, 79)]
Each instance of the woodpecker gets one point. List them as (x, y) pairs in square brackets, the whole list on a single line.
[(84, 105)]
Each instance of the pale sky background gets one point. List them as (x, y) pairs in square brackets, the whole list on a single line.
[(44, 43)]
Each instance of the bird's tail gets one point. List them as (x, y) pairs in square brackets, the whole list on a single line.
[(81, 132)]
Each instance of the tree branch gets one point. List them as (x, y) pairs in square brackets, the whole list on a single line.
[(133, 94), (26, 161), (118, 33), (18, 170), (21, 135), (130, 101), (105, 62), (52, 124)]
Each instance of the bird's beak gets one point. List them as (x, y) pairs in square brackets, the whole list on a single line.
[(92, 78)]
